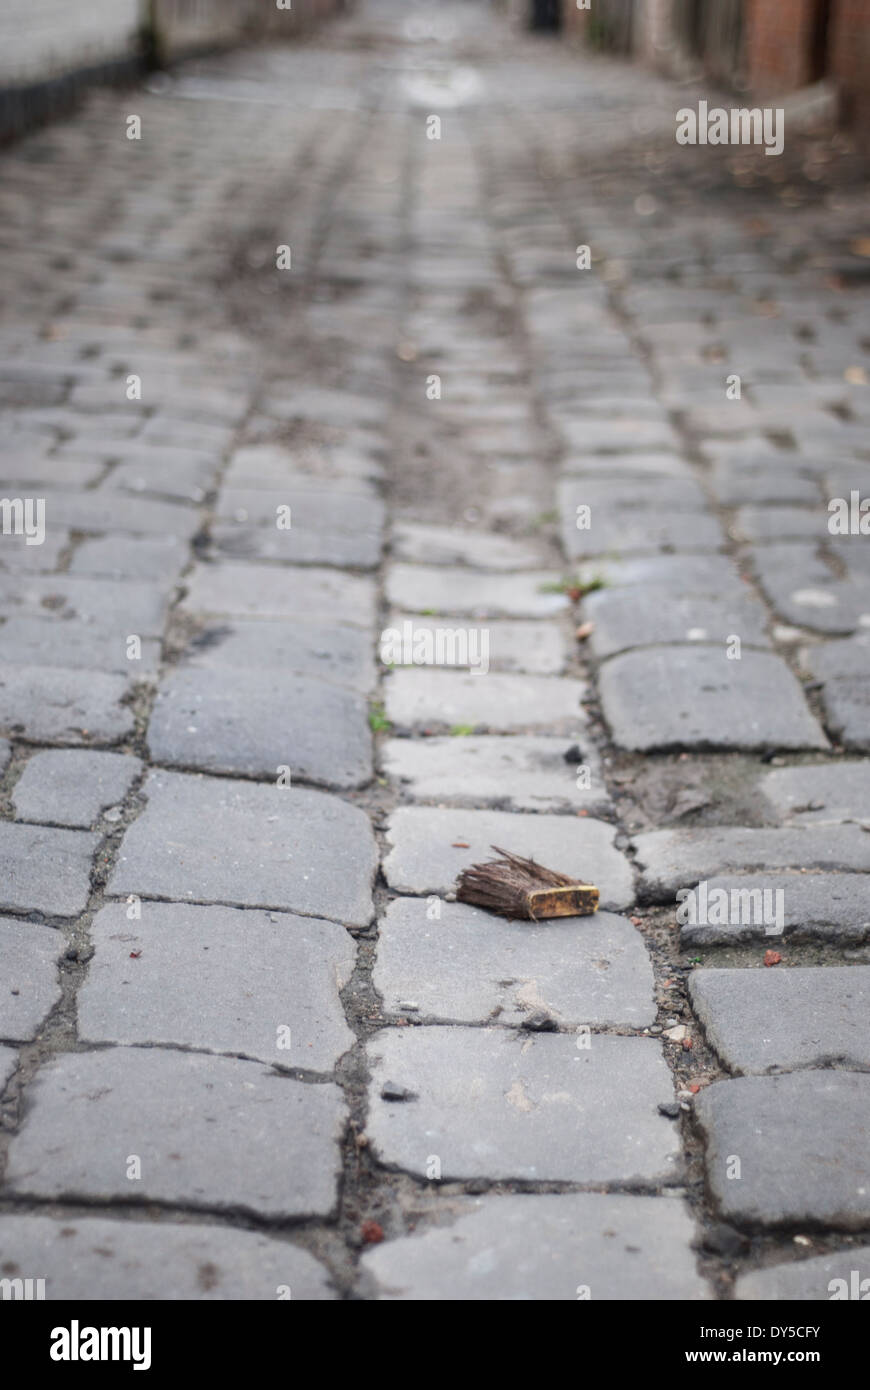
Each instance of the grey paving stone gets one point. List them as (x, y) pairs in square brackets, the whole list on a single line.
[(801, 1140), (437, 590), (72, 786), (448, 545), (184, 479), (48, 704), (130, 557), (621, 527), (270, 466), (758, 482), (611, 496), (469, 966), (430, 847), (17, 557), (764, 524), (45, 870), (765, 1020), (212, 840), (809, 1280), (97, 512), (806, 592), (327, 510), (425, 696), (77, 645), (516, 773), (537, 647), (288, 401), (703, 576), (648, 465), (846, 702), (265, 591), (247, 975), (698, 698), (339, 655), (29, 987), (178, 433), (519, 1248), (841, 657), (625, 618), (299, 545), (63, 598), (533, 1107), (252, 722), (89, 1258), (816, 907), (59, 471), (672, 859), (844, 667), (617, 436), (209, 1131), (820, 794)]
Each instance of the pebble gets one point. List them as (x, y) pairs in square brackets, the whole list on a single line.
[(720, 1239), (670, 1108), (391, 1091), (540, 1022)]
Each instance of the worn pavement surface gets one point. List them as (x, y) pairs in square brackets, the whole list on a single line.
[(251, 1047)]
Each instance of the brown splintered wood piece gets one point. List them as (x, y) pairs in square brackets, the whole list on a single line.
[(517, 887)]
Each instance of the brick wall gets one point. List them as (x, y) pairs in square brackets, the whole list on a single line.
[(777, 44), (849, 58), (779, 50)]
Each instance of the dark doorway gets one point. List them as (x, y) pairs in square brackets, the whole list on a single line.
[(546, 14), (820, 31)]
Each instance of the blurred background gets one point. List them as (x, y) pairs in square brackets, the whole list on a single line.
[(816, 52)]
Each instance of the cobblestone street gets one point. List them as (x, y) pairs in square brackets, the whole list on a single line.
[(301, 368)]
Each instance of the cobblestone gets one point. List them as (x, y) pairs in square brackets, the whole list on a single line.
[(209, 1132), (464, 966), (211, 840), (815, 906), (436, 391), (800, 1144), (484, 700), (240, 726), (45, 870), (680, 697), (91, 1258), (806, 1280), (29, 956), (672, 859), (73, 787), (431, 847), (261, 985), (766, 1020), (545, 1248), (532, 1099), (518, 773), (49, 704)]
